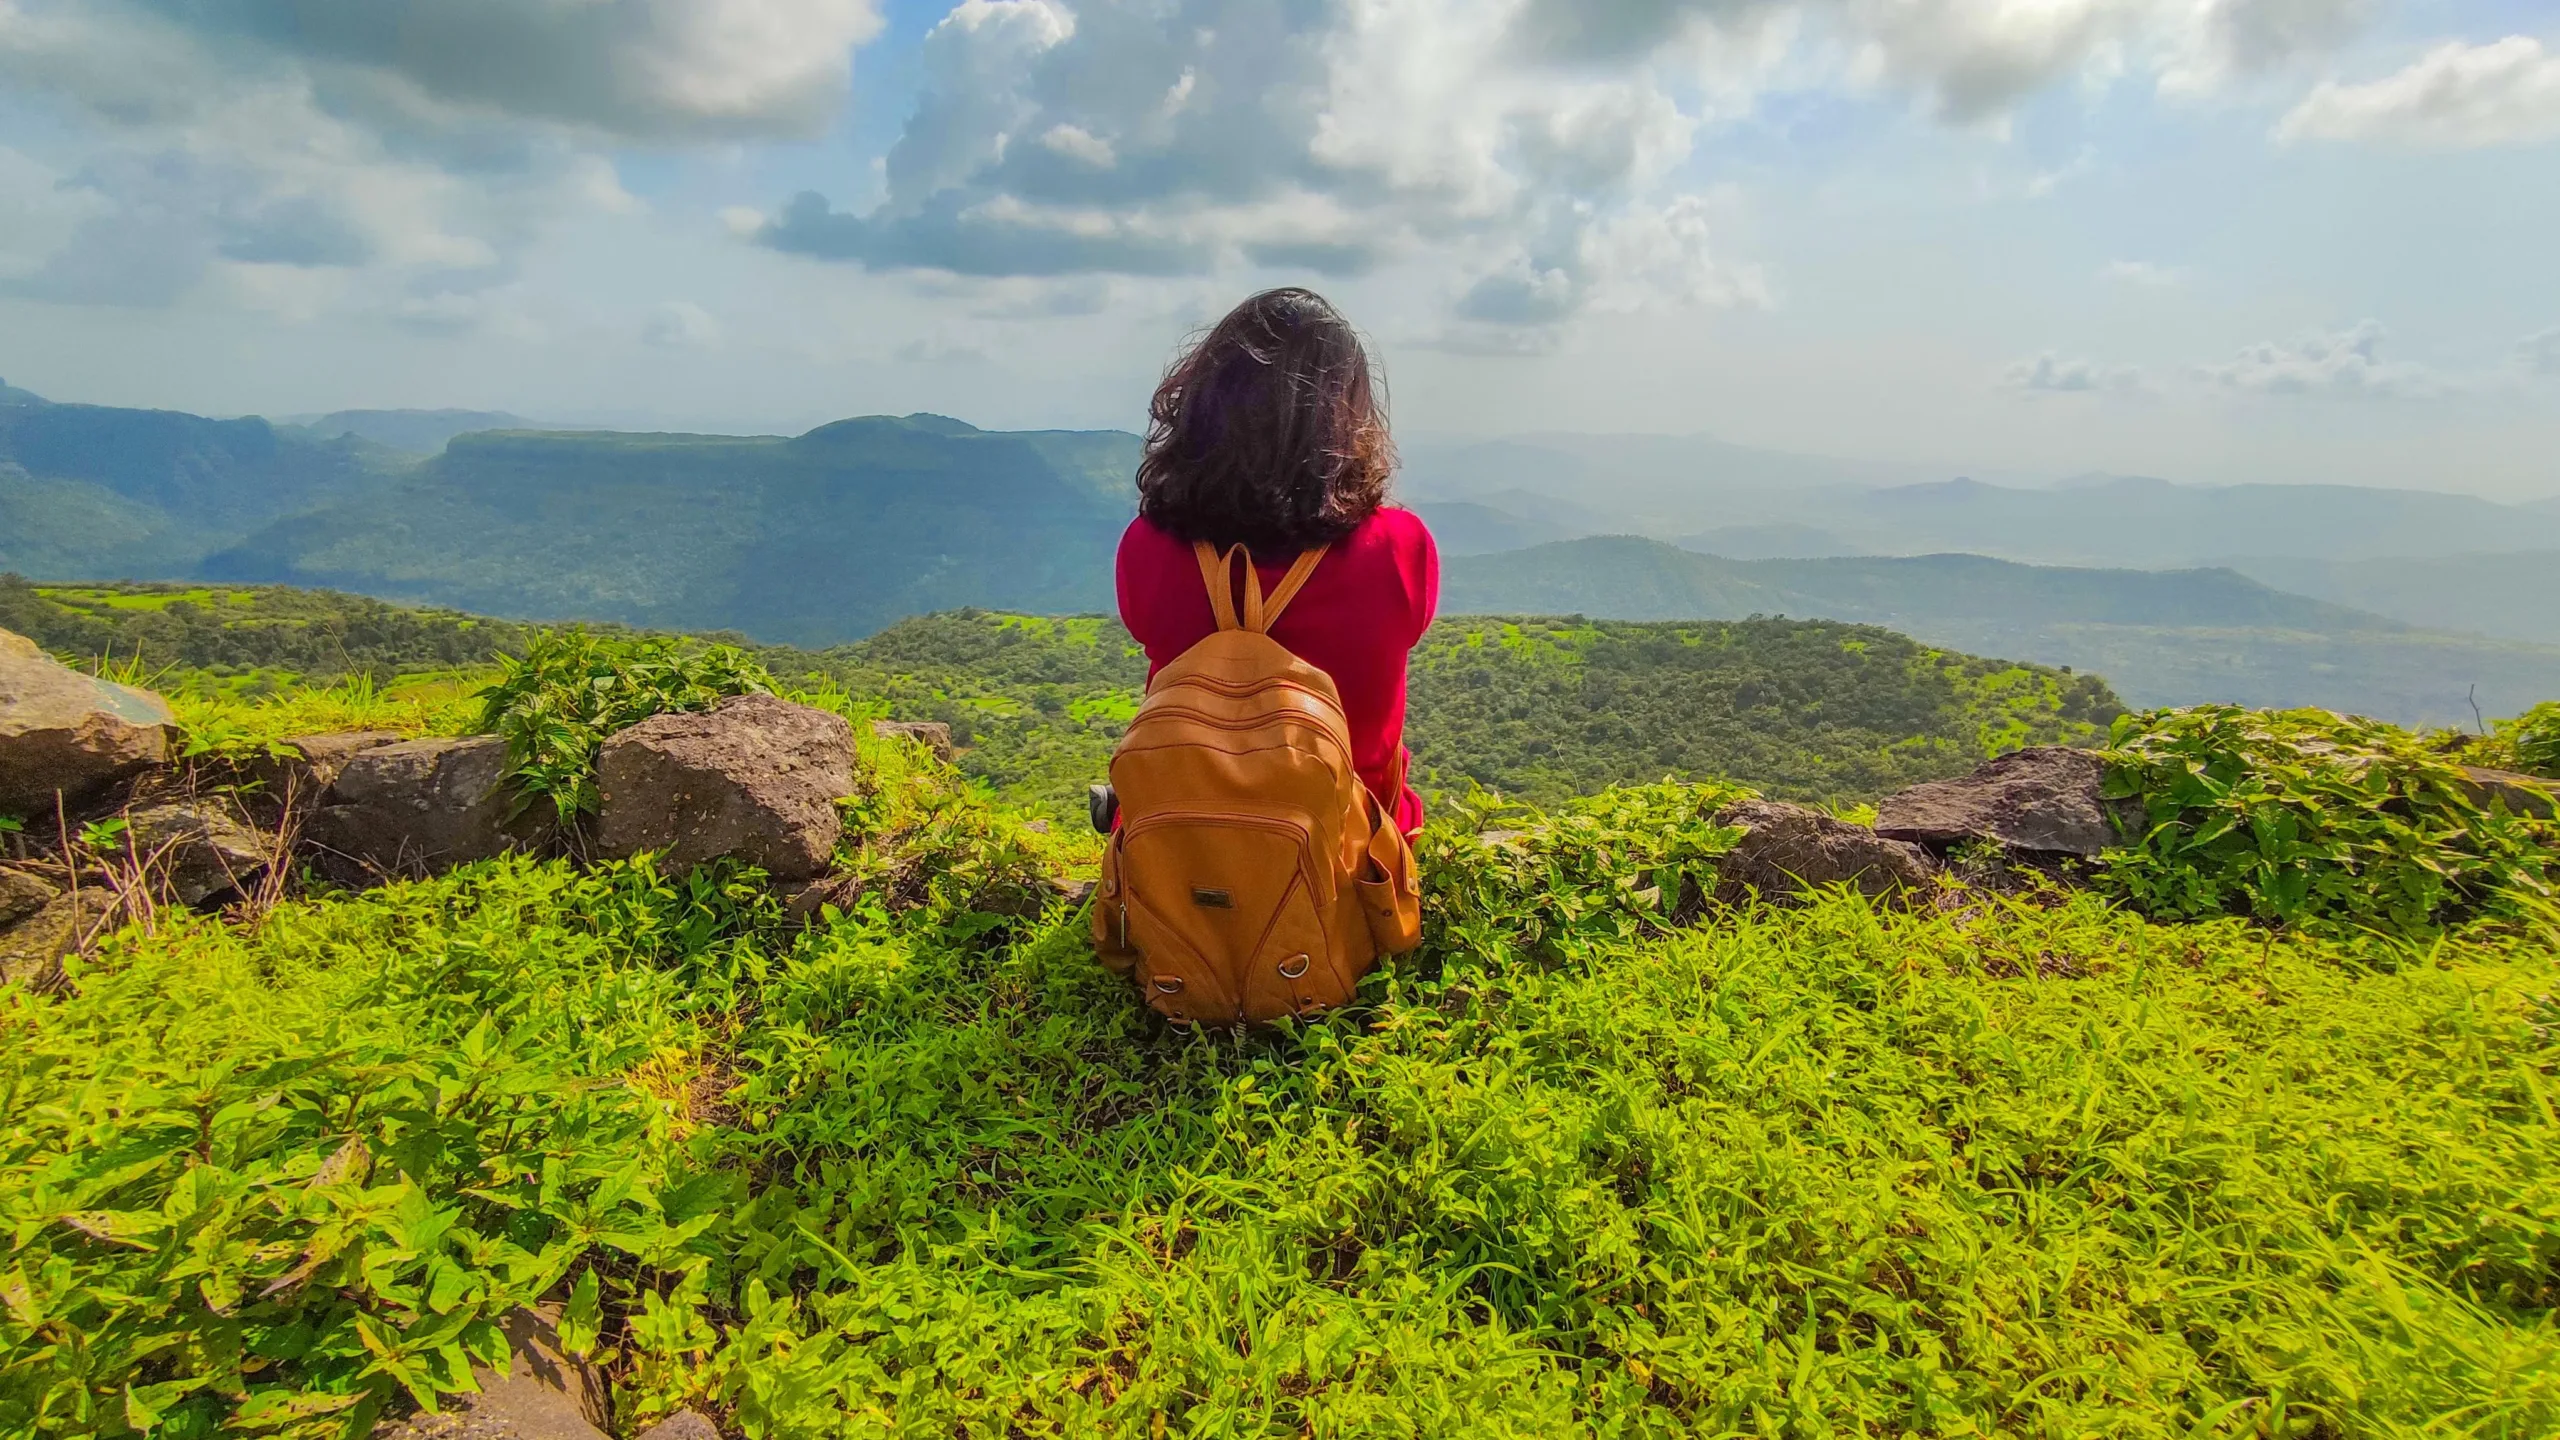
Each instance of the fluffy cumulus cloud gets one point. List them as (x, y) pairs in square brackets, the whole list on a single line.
[(2051, 374), (1542, 153), (395, 153), (2333, 363), (2455, 96), (648, 68)]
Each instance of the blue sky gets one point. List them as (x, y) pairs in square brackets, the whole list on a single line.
[(2218, 240)]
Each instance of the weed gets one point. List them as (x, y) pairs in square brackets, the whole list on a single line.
[(2309, 819), (572, 688)]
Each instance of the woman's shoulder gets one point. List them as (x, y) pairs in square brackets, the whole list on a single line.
[(1394, 529)]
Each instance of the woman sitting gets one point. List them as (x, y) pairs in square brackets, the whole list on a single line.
[(1268, 433)]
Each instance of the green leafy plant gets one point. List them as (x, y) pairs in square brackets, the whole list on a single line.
[(2531, 741), (2310, 819), (556, 705)]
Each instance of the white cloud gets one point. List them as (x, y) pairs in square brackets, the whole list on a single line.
[(1542, 152), (2456, 96), (2143, 273), (644, 68), (680, 325), (2339, 363), (281, 156), (2051, 374)]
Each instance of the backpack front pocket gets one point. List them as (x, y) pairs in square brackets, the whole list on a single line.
[(1221, 908)]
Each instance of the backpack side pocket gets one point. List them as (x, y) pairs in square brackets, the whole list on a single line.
[(1390, 888)]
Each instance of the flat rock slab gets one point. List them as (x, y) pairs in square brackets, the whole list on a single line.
[(317, 761), (66, 734), (2048, 798), (1791, 849), (756, 778), (420, 806), (682, 1425), (543, 1396)]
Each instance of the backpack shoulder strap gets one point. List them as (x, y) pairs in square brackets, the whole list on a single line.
[(1214, 570), (1289, 585), (1260, 614)]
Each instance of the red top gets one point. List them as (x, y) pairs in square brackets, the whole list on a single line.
[(1356, 619)]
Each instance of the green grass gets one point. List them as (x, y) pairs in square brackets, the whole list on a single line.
[(923, 1170), (92, 598)]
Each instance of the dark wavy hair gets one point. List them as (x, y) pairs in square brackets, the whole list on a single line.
[(1268, 431)]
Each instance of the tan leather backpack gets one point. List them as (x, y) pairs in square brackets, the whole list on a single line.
[(1252, 875)]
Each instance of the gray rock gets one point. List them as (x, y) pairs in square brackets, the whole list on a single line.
[(420, 806), (931, 734), (202, 847), (543, 1396), (31, 951), (2521, 794), (2048, 798), (1789, 849), (757, 778), (682, 1425), (22, 895), (68, 734)]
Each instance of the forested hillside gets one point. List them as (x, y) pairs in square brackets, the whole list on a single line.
[(818, 538), (95, 490), (1537, 709)]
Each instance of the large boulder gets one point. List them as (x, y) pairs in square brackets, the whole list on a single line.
[(68, 734), (1789, 849), (419, 806), (201, 848), (757, 778), (2048, 799)]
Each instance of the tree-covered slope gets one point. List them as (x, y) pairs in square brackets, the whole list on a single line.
[(1804, 709), (95, 490)]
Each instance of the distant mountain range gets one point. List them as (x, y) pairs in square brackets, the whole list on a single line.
[(2514, 595), (1743, 503), (812, 540), (834, 534), (411, 432), (2160, 637)]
